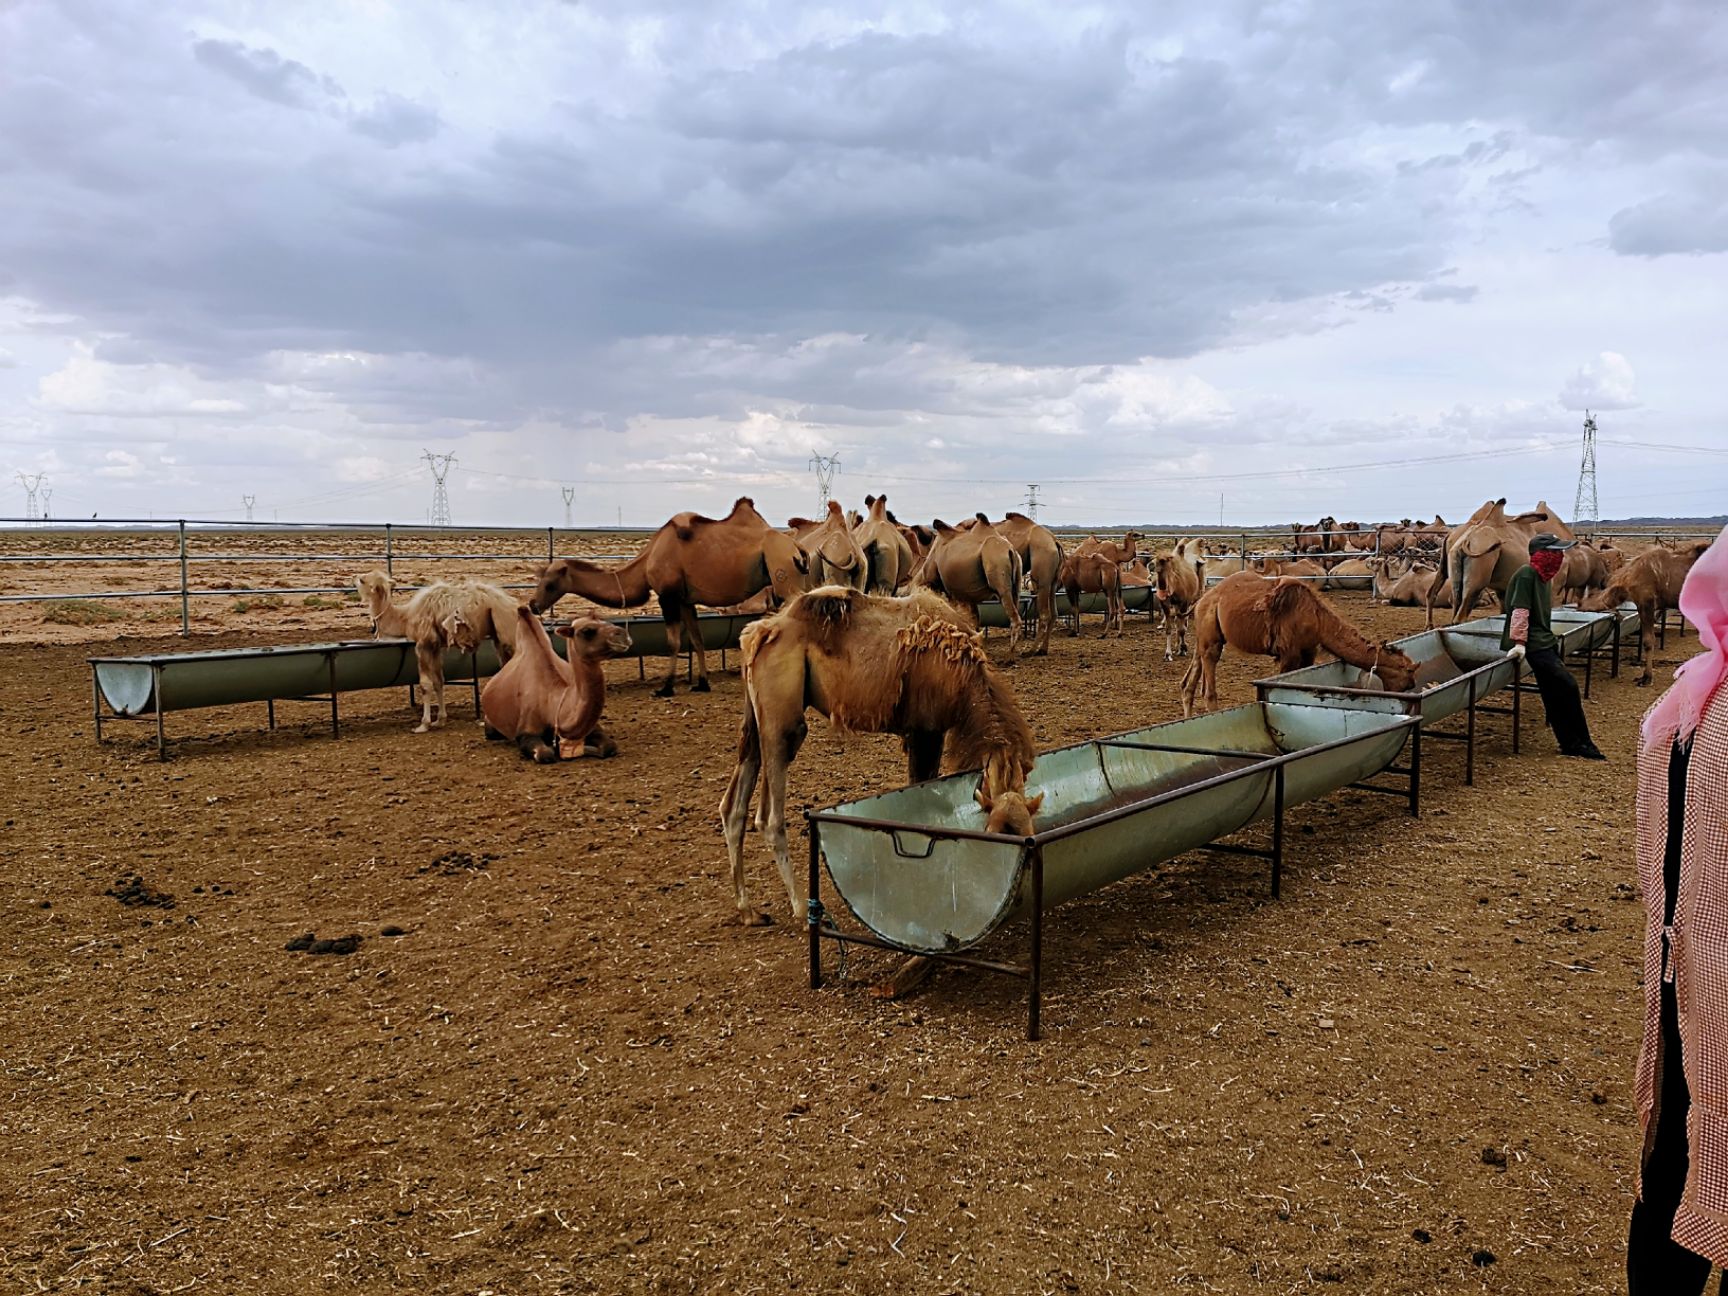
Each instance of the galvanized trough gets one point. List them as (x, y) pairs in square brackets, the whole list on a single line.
[(919, 873), (153, 684), (1135, 598)]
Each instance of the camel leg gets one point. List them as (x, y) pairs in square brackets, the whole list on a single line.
[(431, 665), (672, 613), (1182, 623), (695, 629), (1046, 604), (1074, 611), (1168, 655), (1647, 642), (778, 752), (923, 754), (735, 811)]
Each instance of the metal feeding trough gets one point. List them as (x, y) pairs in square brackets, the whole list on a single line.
[(917, 870)]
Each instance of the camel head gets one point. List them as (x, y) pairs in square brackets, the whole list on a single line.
[(549, 588), (374, 587), (1395, 669), (1010, 812), (592, 639)]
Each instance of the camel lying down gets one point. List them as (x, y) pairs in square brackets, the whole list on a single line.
[(907, 666), (549, 707)]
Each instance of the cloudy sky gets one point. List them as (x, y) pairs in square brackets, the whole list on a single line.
[(1274, 259)]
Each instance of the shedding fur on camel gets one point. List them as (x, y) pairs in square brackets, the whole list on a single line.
[(448, 614)]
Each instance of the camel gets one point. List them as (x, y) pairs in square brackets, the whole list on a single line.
[(1215, 567), (835, 558), (487, 611), (549, 707), (1093, 573), (1485, 552), (1308, 569), (1041, 559), (888, 557), (1583, 572), (1402, 582), (690, 560), (1348, 574), (1126, 550), (1179, 589), (1284, 619), (973, 564), (1652, 580), (906, 666)]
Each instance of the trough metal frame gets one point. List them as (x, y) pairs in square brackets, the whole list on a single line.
[(820, 927)]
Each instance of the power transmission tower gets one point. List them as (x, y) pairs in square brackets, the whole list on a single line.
[(248, 501), (47, 499), (569, 493), (31, 485), (1585, 507), (440, 465), (1032, 501), (824, 466)]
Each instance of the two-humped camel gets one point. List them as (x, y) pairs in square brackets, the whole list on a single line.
[(888, 556), (1041, 558), (1181, 581), (973, 565), (1486, 552), (1652, 580), (690, 561), (835, 558), (1402, 581), (906, 666), (431, 619), (548, 707), (1095, 567), (1286, 620)]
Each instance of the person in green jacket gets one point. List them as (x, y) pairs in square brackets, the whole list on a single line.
[(1528, 602)]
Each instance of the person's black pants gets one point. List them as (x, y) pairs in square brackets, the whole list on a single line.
[(1560, 698), (1657, 1265)]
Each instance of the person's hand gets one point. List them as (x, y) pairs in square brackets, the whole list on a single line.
[(1516, 652)]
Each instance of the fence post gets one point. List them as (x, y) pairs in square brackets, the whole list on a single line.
[(389, 553), (551, 554), (185, 593)]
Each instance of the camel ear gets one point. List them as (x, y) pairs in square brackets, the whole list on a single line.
[(1035, 804), (801, 562)]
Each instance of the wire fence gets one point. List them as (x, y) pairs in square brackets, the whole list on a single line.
[(185, 539)]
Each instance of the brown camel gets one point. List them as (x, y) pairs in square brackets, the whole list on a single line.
[(549, 707), (1284, 619), (1485, 552), (1179, 589), (1121, 551), (1041, 559), (835, 558), (888, 556), (905, 666), (1583, 572), (973, 565), (689, 561), (1652, 580), (1402, 581), (1350, 573), (1308, 569), (1093, 573)]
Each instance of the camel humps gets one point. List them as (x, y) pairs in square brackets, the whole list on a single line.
[(907, 666), (1486, 552), (431, 619), (971, 565), (1283, 619), (547, 706), (1652, 580), (691, 560), (833, 552), (888, 554), (1041, 562)]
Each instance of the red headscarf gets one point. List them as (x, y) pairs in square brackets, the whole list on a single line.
[(1547, 562)]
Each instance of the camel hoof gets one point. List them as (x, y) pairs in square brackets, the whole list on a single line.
[(1643, 683), (665, 690), (752, 918), (422, 728), (700, 686), (545, 756)]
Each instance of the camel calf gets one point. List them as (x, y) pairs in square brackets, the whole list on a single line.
[(1179, 589)]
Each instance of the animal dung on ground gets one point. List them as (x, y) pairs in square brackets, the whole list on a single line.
[(311, 944), (133, 892), (455, 863)]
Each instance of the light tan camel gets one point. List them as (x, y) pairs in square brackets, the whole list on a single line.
[(1348, 574), (1093, 573), (689, 561), (1284, 619), (1402, 581), (888, 556), (1041, 559), (1308, 569), (548, 707), (835, 558), (1125, 550), (1583, 572), (972, 566), (1485, 552), (1179, 590), (905, 666), (426, 618), (1652, 580)]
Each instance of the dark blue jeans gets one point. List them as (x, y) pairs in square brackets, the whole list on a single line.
[(1560, 698)]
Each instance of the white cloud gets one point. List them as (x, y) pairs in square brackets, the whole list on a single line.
[(1605, 383)]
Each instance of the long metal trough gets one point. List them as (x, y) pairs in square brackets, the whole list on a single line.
[(917, 870), (153, 684)]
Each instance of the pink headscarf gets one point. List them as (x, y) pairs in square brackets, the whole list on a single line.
[(1703, 602)]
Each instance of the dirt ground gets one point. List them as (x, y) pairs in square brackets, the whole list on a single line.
[(552, 1063)]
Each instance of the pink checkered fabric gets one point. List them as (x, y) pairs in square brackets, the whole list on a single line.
[(1699, 964)]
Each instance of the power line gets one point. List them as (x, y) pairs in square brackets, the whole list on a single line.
[(825, 467), (440, 466), (31, 486)]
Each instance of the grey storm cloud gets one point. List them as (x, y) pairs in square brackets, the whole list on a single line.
[(394, 120), (1673, 224), (264, 72)]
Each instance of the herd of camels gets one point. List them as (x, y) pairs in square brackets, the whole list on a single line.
[(874, 624)]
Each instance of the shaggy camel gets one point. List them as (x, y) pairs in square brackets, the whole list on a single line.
[(690, 560), (1179, 589), (873, 665), (1652, 580), (1093, 573), (1485, 552), (1041, 559), (487, 611), (973, 564), (1284, 619), (835, 558), (549, 707), (888, 557)]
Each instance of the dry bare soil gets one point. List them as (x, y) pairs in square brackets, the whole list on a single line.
[(552, 1063)]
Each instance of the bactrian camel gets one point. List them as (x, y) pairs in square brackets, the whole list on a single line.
[(903, 666), (888, 556), (1652, 580), (690, 561), (1041, 559), (1486, 552), (835, 557), (428, 619), (1283, 619), (972, 566), (549, 707)]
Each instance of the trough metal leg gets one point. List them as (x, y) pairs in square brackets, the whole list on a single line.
[(1277, 830), (1589, 658), (815, 906), (1614, 665), (156, 698), (474, 670), (96, 703), (1470, 738), (335, 722), (1035, 988), (270, 711), (1517, 702), (1416, 770)]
